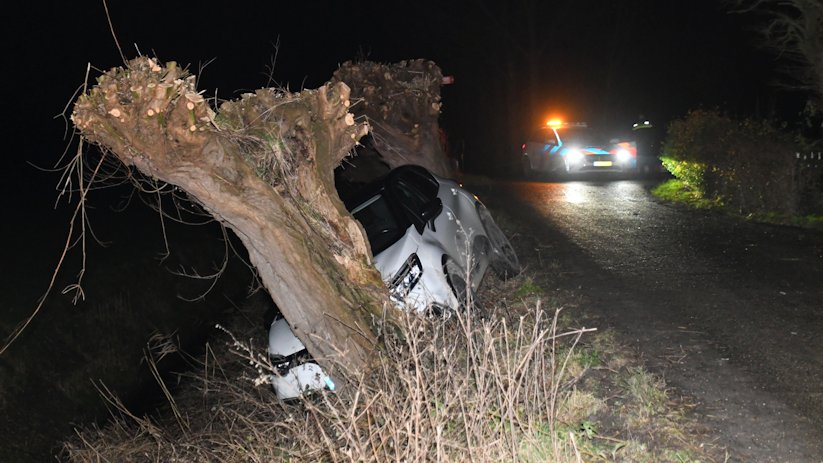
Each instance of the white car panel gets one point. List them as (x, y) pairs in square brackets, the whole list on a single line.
[(457, 234), (299, 380)]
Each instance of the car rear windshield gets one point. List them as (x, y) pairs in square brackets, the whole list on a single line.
[(382, 226)]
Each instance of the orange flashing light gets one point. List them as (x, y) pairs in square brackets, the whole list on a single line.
[(554, 123)]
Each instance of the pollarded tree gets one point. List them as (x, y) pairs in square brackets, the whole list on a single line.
[(263, 166), (402, 104)]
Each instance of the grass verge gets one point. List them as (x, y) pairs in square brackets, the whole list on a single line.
[(677, 191)]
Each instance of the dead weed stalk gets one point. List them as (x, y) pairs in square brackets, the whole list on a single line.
[(457, 389)]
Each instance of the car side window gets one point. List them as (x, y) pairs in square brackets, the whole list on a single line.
[(411, 198), (414, 190), (383, 227)]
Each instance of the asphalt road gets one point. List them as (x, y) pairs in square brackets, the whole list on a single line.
[(729, 312)]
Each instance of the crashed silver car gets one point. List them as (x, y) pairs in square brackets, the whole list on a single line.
[(432, 241)]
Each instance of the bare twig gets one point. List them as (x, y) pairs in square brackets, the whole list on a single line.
[(113, 34)]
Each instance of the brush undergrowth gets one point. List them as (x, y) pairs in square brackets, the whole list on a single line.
[(48, 377), (525, 383), (449, 390), (749, 167), (517, 386)]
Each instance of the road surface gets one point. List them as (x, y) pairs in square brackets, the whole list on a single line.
[(729, 312)]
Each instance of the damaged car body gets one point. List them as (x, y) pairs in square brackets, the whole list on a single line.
[(432, 241)]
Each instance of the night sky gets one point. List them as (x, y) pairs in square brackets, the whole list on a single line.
[(595, 60)]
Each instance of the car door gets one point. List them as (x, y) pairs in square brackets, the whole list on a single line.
[(445, 234), (540, 149)]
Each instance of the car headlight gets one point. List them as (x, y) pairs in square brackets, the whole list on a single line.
[(623, 156), (574, 156), (405, 279)]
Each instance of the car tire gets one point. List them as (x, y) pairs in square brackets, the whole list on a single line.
[(456, 277), (503, 259)]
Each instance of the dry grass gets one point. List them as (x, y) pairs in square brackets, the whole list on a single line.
[(450, 390), (519, 385), (514, 387)]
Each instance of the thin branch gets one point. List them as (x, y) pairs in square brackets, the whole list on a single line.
[(78, 210), (113, 34), (214, 276)]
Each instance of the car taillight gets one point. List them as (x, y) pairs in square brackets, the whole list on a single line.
[(523, 147)]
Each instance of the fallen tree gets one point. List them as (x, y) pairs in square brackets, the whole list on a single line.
[(263, 166)]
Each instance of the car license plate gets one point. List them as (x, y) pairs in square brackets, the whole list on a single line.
[(602, 163)]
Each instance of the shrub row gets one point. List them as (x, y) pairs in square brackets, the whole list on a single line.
[(749, 166)]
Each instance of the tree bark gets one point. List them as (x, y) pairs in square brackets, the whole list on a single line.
[(401, 101), (263, 166)]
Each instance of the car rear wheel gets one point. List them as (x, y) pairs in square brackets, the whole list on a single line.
[(467, 297), (504, 259)]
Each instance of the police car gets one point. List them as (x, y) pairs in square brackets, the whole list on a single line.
[(574, 147)]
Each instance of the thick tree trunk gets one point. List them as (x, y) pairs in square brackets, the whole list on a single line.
[(402, 104), (263, 166)]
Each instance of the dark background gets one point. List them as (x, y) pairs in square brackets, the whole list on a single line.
[(599, 61), (514, 63)]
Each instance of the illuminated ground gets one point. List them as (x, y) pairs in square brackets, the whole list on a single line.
[(728, 312)]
